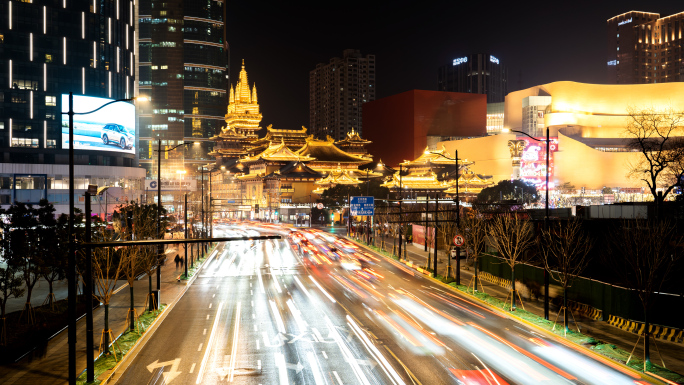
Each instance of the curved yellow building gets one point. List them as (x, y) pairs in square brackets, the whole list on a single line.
[(589, 121)]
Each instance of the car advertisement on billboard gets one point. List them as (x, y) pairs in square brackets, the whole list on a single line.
[(110, 129)]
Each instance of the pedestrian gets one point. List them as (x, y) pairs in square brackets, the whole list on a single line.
[(177, 260), (181, 262)]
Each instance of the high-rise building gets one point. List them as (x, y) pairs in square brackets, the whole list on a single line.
[(645, 48), (184, 67), (337, 91), (477, 74), (47, 50)]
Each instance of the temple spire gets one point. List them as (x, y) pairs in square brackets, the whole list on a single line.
[(254, 95), (232, 95)]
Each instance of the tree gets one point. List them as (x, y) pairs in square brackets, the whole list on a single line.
[(11, 284), (474, 230), (107, 264), (446, 230), (53, 247), (25, 245), (657, 136), (509, 190), (145, 216), (132, 223), (564, 248), (338, 195), (511, 236), (642, 254)]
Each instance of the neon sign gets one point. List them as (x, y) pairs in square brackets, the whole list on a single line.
[(493, 59), (460, 60), (612, 62), (625, 22), (533, 161)]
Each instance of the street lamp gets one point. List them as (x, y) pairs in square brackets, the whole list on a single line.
[(71, 262), (546, 210), (160, 248), (458, 219)]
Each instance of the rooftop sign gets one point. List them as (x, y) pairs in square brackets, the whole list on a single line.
[(460, 60), (625, 21), (493, 59)]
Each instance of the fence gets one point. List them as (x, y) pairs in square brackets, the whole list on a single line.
[(611, 299)]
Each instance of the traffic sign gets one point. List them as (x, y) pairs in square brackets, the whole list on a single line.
[(319, 206), (459, 240), (362, 205)]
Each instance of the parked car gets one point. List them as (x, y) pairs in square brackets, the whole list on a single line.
[(116, 133)]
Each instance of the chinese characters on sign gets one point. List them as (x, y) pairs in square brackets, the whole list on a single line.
[(172, 185), (362, 205), (533, 161)]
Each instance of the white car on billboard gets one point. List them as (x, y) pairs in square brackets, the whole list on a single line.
[(116, 133)]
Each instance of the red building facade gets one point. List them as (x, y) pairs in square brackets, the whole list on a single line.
[(399, 125)]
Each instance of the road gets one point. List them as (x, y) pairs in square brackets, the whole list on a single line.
[(272, 313)]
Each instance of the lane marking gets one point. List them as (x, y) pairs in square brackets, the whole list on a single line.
[(211, 339), (324, 355), (192, 368), (337, 376), (387, 368), (318, 378), (278, 318), (204, 332), (261, 283), (200, 347), (282, 368), (255, 328), (213, 295), (235, 341), (258, 364), (210, 305), (207, 317), (257, 341)]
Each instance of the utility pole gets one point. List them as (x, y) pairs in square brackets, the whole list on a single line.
[(401, 199), (185, 225), (88, 290), (458, 223), (160, 248)]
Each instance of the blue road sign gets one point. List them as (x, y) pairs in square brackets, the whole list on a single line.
[(362, 205)]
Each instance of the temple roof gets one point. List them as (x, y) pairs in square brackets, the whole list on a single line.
[(296, 170), (326, 151), (338, 177), (294, 139), (353, 137), (279, 153), (437, 157), (426, 180), (378, 168)]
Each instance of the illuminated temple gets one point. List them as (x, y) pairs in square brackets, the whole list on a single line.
[(434, 172), (278, 175)]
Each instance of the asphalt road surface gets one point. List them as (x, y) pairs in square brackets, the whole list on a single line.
[(313, 309)]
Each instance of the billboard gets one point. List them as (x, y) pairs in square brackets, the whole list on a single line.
[(533, 161), (109, 129)]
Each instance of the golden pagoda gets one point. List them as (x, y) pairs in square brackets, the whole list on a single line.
[(354, 144), (470, 183), (243, 108), (294, 139)]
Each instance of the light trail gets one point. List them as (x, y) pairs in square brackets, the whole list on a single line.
[(303, 326), (322, 290), (261, 283), (349, 357), (236, 331), (386, 367), (200, 373)]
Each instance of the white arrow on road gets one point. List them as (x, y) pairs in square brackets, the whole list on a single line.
[(171, 374)]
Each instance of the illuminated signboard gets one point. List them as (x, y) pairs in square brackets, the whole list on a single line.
[(460, 60), (625, 21), (493, 59), (612, 62), (533, 161), (109, 129)]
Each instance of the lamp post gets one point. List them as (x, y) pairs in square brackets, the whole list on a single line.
[(546, 212), (458, 217), (160, 248), (71, 261)]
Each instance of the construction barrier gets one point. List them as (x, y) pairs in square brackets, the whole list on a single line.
[(657, 331)]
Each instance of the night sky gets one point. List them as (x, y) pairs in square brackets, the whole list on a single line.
[(539, 42)]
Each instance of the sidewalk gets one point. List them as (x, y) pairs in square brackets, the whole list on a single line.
[(52, 368), (673, 353)]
